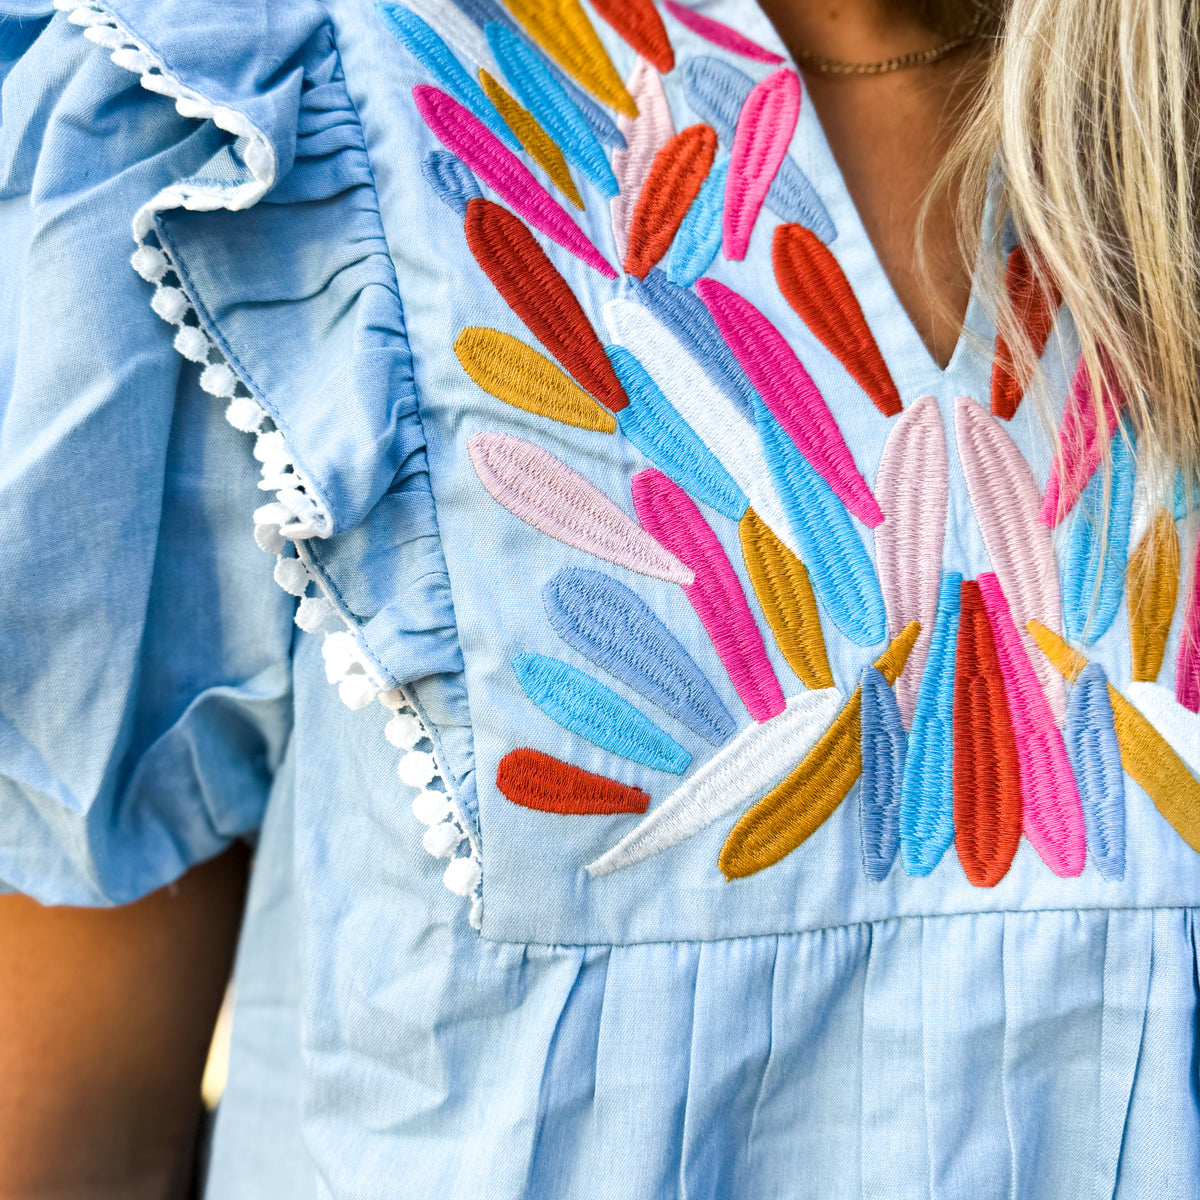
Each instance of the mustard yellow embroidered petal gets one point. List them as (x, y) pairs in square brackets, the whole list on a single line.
[(517, 374), (537, 142), (783, 589), (562, 29), (1153, 585), (800, 805), (1145, 754)]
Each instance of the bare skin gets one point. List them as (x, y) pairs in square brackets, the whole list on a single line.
[(105, 1020), (889, 133)]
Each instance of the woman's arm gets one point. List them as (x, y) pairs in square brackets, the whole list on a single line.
[(105, 1018)]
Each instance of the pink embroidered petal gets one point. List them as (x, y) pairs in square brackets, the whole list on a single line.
[(645, 135), (912, 486), (720, 34), (1080, 448), (1005, 498), (673, 519), (790, 394), (1187, 664), (463, 134), (1052, 814), (544, 492), (764, 132)]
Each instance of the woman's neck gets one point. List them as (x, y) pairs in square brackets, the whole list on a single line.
[(889, 133)]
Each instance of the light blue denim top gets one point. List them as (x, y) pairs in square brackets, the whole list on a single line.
[(528, 1029)]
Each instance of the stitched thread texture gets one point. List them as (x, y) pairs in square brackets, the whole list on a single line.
[(987, 772), (699, 237), (666, 439), (645, 136), (1187, 662), (743, 770), (536, 141), (790, 393), (884, 752), (536, 780), (1096, 758), (927, 795), (597, 714), (610, 625), (815, 286), (760, 144), (785, 594), (1153, 585), (912, 486), (665, 510), (830, 546), (672, 185), (1034, 311), (720, 34), (1052, 815), (638, 22), (517, 374), (538, 90), (545, 493), (716, 91), (532, 287), (1004, 496), (450, 179), (796, 808)]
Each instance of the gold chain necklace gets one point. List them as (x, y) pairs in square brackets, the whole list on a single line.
[(918, 58)]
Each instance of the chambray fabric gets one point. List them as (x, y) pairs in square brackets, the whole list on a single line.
[(658, 1033)]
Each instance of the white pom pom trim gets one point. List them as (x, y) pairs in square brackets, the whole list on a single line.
[(297, 513)]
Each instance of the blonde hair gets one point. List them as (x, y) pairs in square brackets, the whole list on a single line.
[(1086, 130)]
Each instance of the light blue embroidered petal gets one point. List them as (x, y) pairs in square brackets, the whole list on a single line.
[(597, 714), (927, 798), (541, 93), (830, 547), (655, 427), (611, 625), (429, 49), (884, 747), (1088, 611), (716, 90), (451, 178), (699, 237), (685, 314), (485, 12), (1096, 760)]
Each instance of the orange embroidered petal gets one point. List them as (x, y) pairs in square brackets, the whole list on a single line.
[(562, 29), (676, 176), (541, 297), (1145, 754), (517, 374), (1152, 585), (814, 285), (536, 141), (1034, 311), (987, 776), (638, 22), (786, 596), (795, 809), (535, 780)]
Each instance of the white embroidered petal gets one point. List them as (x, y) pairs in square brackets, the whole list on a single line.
[(416, 768)]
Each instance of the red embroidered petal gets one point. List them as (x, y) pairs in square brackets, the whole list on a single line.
[(638, 22), (535, 780), (1034, 311)]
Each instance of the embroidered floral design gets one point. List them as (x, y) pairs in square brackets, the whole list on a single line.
[(536, 780), (532, 287), (1034, 311), (645, 135), (699, 237), (454, 184), (535, 141), (638, 23), (884, 752), (814, 285), (596, 713), (720, 34), (786, 597), (1187, 663), (544, 492), (676, 176), (613, 627), (1152, 579), (987, 772)]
